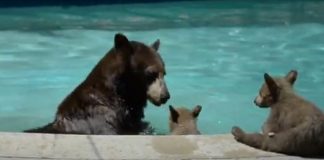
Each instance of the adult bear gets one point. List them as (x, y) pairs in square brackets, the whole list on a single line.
[(111, 100)]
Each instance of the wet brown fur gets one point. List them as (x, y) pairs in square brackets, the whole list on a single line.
[(297, 124), (183, 121), (112, 98)]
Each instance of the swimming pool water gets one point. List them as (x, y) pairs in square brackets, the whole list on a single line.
[(215, 53)]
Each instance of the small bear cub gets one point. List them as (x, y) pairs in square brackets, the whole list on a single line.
[(295, 125), (183, 121)]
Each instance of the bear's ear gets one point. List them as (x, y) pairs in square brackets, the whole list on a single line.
[(174, 114), (156, 45), (122, 43), (272, 86), (291, 76), (196, 111)]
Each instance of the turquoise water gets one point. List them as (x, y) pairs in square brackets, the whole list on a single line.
[(215, 54)]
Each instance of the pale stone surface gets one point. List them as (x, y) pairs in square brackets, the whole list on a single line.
[(77, 147)]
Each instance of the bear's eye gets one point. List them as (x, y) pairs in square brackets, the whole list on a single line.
[(152, 75)]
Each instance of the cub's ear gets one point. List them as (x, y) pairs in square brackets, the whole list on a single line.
[(174, 114), (196, 111), (156, 45), (273, 87), (291, 76), (122, 43)]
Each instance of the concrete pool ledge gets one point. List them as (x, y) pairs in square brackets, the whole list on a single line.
[(78, 147)]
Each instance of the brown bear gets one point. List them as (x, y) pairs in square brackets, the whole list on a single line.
[(295, 126), (112, 98), (183, 121)]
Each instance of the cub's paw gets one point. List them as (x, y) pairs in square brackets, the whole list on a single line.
[(271, 134), (238, 133)]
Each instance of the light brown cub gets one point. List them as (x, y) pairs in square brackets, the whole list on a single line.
[(295, 126), (184, 121)]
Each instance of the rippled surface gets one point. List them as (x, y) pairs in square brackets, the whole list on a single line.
[(215, 55)]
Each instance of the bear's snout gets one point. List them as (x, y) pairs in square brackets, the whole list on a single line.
[(165, 97), (158, 92)]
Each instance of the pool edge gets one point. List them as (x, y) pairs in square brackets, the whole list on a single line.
[(49, 146)]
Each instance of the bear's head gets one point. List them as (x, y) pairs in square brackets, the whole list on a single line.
[(273, 88), (183, 121), (142, 70)]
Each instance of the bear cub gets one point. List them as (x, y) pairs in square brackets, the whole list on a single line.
[(295, 126), (183, 121)]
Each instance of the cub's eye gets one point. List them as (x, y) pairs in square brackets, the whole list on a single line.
[(261, 95)]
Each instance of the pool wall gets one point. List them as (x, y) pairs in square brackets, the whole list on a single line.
[(66, 3)]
